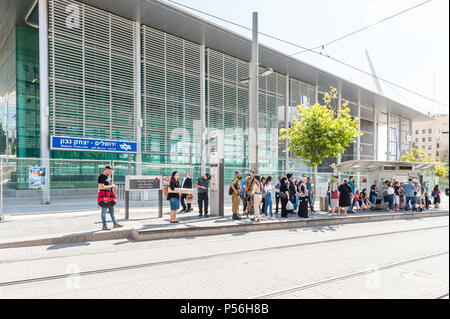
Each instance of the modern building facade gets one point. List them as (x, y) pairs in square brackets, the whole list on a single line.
[(432, 136), (150, 73)]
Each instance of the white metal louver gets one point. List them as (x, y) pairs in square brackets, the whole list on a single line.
[(91, 68)]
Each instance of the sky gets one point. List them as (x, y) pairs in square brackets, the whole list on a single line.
[(411, 50)]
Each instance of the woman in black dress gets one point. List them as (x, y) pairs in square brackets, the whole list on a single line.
[(292, 192), (345, 197), (302, 199), (284, 189)]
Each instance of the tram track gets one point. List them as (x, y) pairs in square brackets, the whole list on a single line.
[(349, 276), (197, 258)]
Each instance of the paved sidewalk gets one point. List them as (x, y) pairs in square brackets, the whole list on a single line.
[(20, 228)]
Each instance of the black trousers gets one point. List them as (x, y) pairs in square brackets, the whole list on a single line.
[(203, 203), (183, 198), (284, 212), (277, 201)]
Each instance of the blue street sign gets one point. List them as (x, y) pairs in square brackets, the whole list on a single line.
[(93, 145)]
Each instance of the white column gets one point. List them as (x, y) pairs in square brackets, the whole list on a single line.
[(203, 128), (254, 88), (44, 96), (375, 132), (358, 141), (388, 137), (338, 160), (138, 90)]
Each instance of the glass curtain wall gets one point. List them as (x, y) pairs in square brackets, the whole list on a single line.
[(8, 92)]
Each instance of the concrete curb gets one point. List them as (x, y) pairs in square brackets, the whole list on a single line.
[(142, 235), (70, 239)]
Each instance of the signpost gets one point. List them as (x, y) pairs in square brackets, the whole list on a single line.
[(143, 183)]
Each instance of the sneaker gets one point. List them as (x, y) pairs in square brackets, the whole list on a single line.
[(206, 215), (200, 215), (117, 226), (106, 228)]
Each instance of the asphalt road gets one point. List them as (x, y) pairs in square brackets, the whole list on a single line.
[(392, 259)]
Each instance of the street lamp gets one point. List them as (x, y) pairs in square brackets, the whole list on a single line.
[(262, 74)]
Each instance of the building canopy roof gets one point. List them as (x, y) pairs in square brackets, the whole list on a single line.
[(371, 165), (168, 18)]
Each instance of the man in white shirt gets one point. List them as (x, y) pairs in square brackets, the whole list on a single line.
[(186, 183)]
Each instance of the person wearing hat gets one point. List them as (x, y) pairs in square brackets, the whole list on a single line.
[(105, 184), (203, 200)]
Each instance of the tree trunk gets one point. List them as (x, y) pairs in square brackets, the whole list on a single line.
[(315, 182)]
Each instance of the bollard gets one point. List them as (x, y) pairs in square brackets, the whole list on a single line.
[(160, 203), (127, 204)]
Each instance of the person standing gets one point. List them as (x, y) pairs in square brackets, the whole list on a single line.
[(187, 183), (244, 199), (268, 191), (203, 200), (345, 196), (351, 183), (235, 184), (374, 194), (425, 195), (106, 187), (263, 200), (284, 196), (409, 192), (174, 197), (436, 194), (397, 194), (292, 192), (334, 194), (310, 194), (248, 191), (257, 198), (418, 195), (303, 199), (277, 194), (391, 195)]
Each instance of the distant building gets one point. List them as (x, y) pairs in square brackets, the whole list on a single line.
[(432, 136)]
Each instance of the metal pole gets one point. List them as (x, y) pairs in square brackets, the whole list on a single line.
[(44, 95), (286, 118), (375, 139), (204, 132), (253, 120), (138, 90), (358, 141)]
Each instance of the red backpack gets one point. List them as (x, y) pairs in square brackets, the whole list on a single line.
[(106, 199)]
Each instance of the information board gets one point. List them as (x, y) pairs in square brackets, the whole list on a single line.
[(94, 145), (37, 177), (142, 183)]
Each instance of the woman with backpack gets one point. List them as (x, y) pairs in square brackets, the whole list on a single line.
[(436, 194), (174, 197), (257, 198)]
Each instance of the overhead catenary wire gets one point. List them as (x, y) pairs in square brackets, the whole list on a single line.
[(313, 51), (363, 28)]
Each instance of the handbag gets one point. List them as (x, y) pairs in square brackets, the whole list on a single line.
[(106, 199), (283, 195), (289, 206)]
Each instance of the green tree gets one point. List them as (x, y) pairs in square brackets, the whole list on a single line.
[(419, 155), (319, 132)]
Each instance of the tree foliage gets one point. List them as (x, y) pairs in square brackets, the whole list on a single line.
[(319, 132), (419, 155)]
